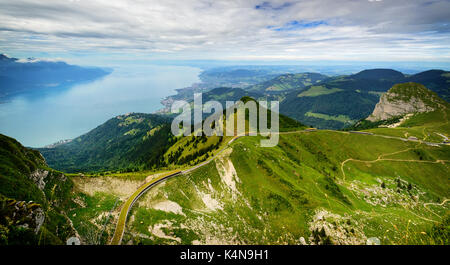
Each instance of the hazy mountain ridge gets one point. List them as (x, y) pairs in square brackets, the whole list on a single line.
[(331, 102), (288, 82), (231, 77), (320, 101), (435, 80), (32, 75)]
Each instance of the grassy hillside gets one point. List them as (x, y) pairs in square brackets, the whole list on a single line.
[(30, 191), (410, 90), (97, 194), (314, 185), (192, 150), (16, 165), (430, 126)]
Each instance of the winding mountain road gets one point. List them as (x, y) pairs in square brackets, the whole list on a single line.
[(120, 226), (126, 207)]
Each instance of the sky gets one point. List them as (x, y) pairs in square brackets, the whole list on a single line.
[(319, 30)]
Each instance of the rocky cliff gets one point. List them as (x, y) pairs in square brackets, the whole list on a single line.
[(403, 99)]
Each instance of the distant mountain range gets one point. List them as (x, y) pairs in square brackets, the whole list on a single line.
[(288, 82), (339, 101), (31, 75), (321, 101)]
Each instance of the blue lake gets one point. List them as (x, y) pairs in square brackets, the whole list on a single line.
[(65, 113)]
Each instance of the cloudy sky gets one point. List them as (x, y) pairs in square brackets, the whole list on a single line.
[(364, 30)]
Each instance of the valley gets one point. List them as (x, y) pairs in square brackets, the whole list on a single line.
[(381, 180)]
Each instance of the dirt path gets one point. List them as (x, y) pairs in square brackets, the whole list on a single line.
[(380, 158), (391, 159), (434, 203)]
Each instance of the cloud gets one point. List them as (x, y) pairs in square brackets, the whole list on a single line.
[(270, 6), (37, 60), (202, 29)]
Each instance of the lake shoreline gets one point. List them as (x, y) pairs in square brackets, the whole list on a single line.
[(42, 119)]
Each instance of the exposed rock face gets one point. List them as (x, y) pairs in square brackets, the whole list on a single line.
[(388, 108), (38, 177), (39, 218), (403, 99), (227, 172)]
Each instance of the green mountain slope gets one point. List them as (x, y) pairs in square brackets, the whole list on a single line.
[(139, 141), (193, 150), (128, 141), (314, 187), (97, 194), (333, 110), (33, 197)]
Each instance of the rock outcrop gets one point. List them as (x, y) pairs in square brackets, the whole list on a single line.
[(27, 215), (38, 177), (404, 99)]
